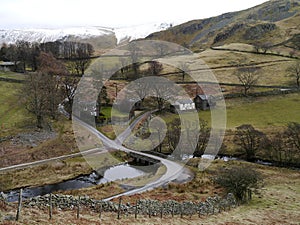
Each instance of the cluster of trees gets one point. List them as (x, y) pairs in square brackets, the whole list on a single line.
[(22, 52), (76, 55), (54, 71), (172, 139), (282, 147), (46, 88), (131, 61), (262, 47)]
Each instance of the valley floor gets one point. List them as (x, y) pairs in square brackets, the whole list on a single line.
[(277, 203)]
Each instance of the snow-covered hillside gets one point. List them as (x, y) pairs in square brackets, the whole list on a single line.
[(139, 31), (46, 35)]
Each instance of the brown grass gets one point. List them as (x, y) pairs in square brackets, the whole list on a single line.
[(272, 73), (277, 203)]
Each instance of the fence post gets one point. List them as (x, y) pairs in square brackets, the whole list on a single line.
[(181, 211), (100, 212), (149, 209), (161, 211), (172, 211), (50, 206), (119, 208), (78, 207), (136, 209), (18, 217)]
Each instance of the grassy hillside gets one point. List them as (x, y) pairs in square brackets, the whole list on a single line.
[(263, 112), (12, 113), (224, 63), (274, 21)]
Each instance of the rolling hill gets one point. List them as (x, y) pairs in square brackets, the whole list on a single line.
[(275, 22), (100, 37)]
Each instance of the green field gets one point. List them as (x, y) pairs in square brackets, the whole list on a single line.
[(12, 75), (106, 111), (263, 112), (12, 113)]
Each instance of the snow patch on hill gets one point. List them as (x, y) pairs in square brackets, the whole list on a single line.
[(139, 31), (46, 35), (49, 35)]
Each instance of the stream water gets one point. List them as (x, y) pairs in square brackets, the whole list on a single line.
[(111, 174)]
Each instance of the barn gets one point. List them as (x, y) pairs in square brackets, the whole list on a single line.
[(204, 102)]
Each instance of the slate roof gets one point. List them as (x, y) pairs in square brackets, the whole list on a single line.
[(7, 63)]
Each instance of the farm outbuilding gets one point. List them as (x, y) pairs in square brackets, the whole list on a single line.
[(7, 66), (127, 105), (183, 105), (204, 102)]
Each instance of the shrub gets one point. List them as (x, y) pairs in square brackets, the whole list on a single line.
[(239, 180)]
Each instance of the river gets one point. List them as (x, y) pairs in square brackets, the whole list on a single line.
[(111, 174)]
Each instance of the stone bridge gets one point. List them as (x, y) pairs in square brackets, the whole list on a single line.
[(143, 159)]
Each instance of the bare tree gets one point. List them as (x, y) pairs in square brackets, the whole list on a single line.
[(12, 55), (79, 55), (184, 67), (249, 139), (277, 146), (141, 89), (256, 47), (292, 134), (134, 56), (55, 48), (161, 93), (173, 134), (155, 68), (33, 54), (248, 77), (84, 52), (41, 91), (68, 86), (294, 72), (22, 51), (202, 135), (3, 52), (55, 69), (266, 46), (159, 129), (36, 97), (124, 66), (69, 50)]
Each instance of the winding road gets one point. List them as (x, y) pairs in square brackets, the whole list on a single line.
[(173, 169)]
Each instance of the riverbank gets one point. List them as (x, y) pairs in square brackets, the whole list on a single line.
[(276, 203), (57, 171)]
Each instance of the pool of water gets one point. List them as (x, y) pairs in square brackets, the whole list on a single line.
[(111, 174)]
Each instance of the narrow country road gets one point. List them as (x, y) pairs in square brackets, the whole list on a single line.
[(39, 162), (173, 169)]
